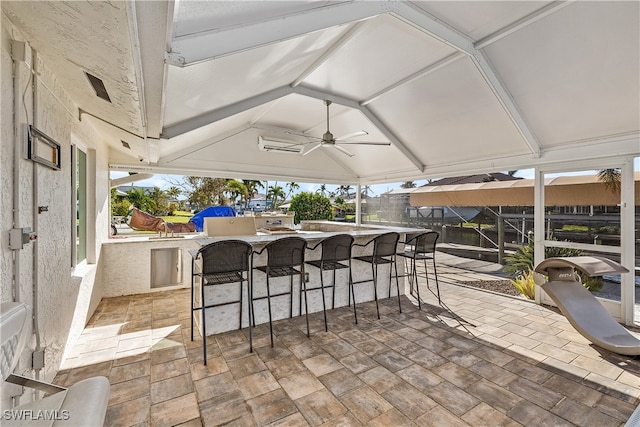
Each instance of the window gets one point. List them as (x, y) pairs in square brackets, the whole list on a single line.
[(79, 206)]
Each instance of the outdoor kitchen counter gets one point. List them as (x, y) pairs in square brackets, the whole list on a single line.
[(225, 318), (128, 266)]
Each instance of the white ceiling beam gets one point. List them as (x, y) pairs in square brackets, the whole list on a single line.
[(450, 36), (318, 94), (153, 150), (506, 101), (355, 29), (419, 74), (230, 172), (202, 144), (429, 24), (151, 57), (522, 22), (114, 183), (222, 113), (216, 43)]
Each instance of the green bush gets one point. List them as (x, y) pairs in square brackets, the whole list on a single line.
[(309, 206), (520, 265), (522, 260), (121, 208), (525, 284)]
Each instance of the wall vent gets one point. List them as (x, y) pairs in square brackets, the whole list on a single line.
[(98, 87)]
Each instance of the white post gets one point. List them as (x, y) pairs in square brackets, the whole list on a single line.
[(627, 237), (538, 223), (358, 201)]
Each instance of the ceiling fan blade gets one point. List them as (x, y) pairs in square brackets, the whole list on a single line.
[(311, 149), (363, 143), (348, 153), (352, 135), (303, 135)]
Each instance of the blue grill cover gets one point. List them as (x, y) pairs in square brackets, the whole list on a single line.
[(198, 219)]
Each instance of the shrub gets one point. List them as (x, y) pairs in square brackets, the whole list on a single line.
[(520, 265), (522, 260), (525, 284), (309, 206), (121, 208)]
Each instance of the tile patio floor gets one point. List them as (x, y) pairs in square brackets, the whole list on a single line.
[(480, 359)]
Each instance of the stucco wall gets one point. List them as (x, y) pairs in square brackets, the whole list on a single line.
[(66, 296)]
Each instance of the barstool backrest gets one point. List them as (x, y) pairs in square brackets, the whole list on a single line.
[(385, 244), (286, 252), (225, 256), (337, 248), (425, 243)]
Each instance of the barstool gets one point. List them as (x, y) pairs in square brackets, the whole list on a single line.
[(223, 262), (384, 252), (333, 250), (285, 257), (421, 246)]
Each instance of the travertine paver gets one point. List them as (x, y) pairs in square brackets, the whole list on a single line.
[(479, 359)]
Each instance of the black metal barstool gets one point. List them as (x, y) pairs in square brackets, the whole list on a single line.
[(384, 252), (334, 249), (421, 246), (285, 257), (223, 262)]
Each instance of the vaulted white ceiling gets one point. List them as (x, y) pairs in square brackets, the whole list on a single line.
[(454, 87)]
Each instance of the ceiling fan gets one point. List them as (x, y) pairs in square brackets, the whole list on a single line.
[(328, 140)]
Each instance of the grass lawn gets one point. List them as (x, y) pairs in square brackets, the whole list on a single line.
[(178, 217)]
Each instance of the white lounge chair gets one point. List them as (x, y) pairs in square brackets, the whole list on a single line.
[(580, 307), (82, 404)]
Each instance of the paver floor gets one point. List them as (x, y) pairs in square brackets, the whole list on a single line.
[(478, 359)]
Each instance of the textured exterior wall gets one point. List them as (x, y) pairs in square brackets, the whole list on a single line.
[(126, 264), (66, 296)]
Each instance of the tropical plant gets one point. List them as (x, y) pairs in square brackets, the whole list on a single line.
[(291, 187), (236, 190), (521, 263), (252, 189), (141, 199), (310, 206), (408, 184), (276, 194), (322, 190), (525, 284), (120, 207), (611, 178), (344, 191)]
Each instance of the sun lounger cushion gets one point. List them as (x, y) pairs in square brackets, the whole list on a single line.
[(83, 404)]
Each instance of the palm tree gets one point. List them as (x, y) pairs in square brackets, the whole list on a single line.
[(611, 178), (291, 187), (141, 199), (236, 189), (252, 189), (408, 184), (322, 190), (275, 193), (366, 190), (344, 191)]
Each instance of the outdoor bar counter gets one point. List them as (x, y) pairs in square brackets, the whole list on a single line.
[(131, 271), (225, 318)]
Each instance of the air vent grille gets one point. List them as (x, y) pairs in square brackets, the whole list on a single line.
[(98, 87)]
